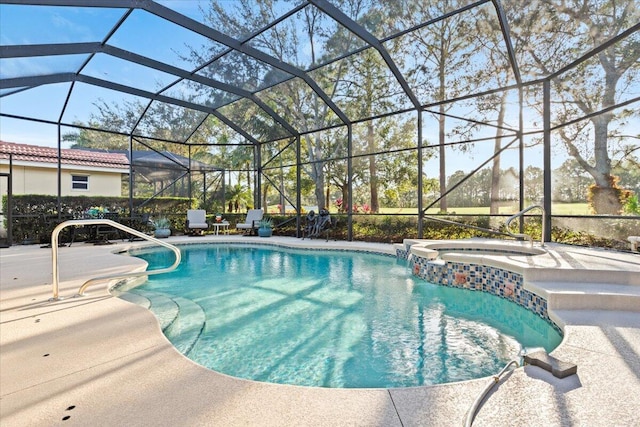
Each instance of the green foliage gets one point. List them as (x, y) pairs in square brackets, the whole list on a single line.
[(161, 223), (266, 223), (35, 216), (632, 205)]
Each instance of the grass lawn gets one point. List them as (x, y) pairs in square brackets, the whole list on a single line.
[(556, 209)]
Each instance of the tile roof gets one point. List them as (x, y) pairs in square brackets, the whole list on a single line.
[(69, 156)]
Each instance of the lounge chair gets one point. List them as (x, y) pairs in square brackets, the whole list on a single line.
[(251, 222), (196, 222)]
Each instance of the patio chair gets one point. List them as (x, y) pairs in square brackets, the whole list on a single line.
[(196, 222), (323, 223), (103, 231), (251, 222), (310, 225)]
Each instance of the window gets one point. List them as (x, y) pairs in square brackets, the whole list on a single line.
[(79, 182)]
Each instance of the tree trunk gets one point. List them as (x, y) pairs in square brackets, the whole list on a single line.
[(373, 169), (327, 196), (265, 191), (317, 171), (605, 197), (441, 127), (494, 207), (443, 163), (605, 200), (345, 195)]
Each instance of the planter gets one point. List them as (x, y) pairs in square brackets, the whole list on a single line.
[(265, 232), (162, 233)]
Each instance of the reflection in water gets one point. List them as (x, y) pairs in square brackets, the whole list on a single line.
[(342, 319)]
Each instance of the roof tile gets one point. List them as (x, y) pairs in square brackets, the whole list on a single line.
[(69, 156)]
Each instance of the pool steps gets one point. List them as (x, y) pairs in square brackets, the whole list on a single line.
[(586, 296), (180, 319), (185, 331), (163, 306), (136, 299)]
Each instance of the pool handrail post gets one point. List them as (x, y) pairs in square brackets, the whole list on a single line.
[(522, 235), (75, 222)]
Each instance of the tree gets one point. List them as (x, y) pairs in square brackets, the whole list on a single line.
[(490, 38), (445, 47), (571, 183), (533, 191), (553, 33)]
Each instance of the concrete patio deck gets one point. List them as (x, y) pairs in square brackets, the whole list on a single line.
[(101, 361)]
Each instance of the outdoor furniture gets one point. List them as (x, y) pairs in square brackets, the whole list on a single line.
[(322, 223), (224, 225), (197, 222), (310, 225), (104, 231), (251, 222)]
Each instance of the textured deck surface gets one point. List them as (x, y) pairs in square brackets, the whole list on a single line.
[(102, 361)]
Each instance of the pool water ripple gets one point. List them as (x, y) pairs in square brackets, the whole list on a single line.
[(340, 319)]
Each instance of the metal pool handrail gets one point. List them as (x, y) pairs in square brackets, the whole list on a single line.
[(54, 254), (520, 235)]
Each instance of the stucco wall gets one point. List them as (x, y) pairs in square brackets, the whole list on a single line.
[(38, 180)]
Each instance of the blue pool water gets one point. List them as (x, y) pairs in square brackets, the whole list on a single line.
[(340, 319)]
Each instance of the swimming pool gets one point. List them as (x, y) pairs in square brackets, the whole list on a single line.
[(339, 319)]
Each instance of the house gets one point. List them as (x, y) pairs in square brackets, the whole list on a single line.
[(34, 170)]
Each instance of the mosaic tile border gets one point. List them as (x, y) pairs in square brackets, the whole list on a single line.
[(402, 253), (497, 281)]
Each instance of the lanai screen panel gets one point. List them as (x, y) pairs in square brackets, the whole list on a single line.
[(254, 120), (306, 39), (153, 37), (243, 71), (127, 73), (384, 183), (56, 24), (40, 65), (199, 93), (455, 56), (279, 153), (241, 20), (170, 122), (160, 168), (41, 102), (102, 108), (279, 175), (548, 36), (362, 85), (387, 18), (214, 132), (297, 103), (330, 144)]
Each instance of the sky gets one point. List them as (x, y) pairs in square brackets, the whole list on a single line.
[(146, 35)]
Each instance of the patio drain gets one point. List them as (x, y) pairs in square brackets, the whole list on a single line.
[(66, 417)]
